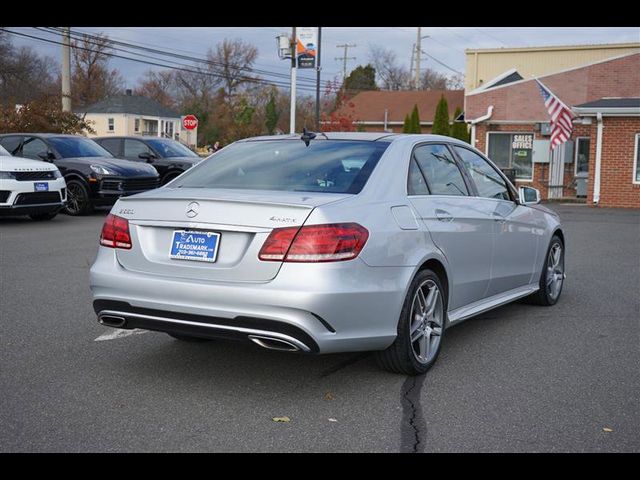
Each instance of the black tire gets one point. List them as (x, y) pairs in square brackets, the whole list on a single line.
[(400, 357), (544, 296), (169, 176), (188, 338), (78, 201), (43, 216)]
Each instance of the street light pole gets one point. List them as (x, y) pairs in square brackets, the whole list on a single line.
[(318, 80), (66, 70), (292, 113), (418, 51)]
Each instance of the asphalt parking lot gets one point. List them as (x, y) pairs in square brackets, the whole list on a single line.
[(519, 378)]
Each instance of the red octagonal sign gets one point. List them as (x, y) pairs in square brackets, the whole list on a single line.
[(190, 122)]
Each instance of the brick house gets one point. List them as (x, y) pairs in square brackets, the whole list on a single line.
[(384, 111), (600, 163)]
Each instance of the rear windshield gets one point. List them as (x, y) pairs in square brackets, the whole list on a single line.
[(335, 166)]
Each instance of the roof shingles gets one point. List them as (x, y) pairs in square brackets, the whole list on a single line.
[(369, 106), (133, 104)]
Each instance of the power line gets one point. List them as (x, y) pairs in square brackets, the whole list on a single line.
[(188, 70), (170, 50), (84, 37), (489, 35), (442, 63)]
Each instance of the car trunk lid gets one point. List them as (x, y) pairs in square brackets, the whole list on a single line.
[(243, 219)]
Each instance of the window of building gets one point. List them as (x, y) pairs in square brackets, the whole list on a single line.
[(488, 181), (512, 150), (636, 162), (136, 125), (111, 124), (440, 170), (582, 155)]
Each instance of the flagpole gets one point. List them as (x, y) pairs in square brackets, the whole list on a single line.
[(549, 90)]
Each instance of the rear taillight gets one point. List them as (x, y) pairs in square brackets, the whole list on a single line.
[(115, 232), (315, 243)]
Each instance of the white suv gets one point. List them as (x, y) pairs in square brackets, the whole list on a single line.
[(29, 187)]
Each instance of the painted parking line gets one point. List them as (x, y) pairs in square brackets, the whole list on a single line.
[(119, 333)]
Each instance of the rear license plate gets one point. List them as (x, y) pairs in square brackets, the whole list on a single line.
[(197, 246), (40, 187)]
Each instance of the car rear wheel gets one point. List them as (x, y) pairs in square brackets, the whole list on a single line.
[(552, 277), (78, 202), (420, 328), (43, 216)]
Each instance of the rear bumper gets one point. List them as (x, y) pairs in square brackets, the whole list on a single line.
[(330, 307)]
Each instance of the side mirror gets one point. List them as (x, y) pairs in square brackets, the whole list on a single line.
[(528, 196), (146, 156)]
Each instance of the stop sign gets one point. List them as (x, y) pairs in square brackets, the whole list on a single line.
[(190, 122)]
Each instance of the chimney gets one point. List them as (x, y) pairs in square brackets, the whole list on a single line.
[(129, 92)]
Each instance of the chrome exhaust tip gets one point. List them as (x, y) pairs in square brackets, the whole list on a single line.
[(112, 321), (271, 343)]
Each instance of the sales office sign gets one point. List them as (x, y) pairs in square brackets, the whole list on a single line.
[(522, 144)]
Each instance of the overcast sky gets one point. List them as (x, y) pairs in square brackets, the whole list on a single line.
[(446, 44)]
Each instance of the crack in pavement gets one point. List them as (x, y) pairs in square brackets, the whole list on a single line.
[(345, 363), (413, 427)]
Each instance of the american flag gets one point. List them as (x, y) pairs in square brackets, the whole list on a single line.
[(561, 117)]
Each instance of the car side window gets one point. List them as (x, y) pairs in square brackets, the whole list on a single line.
[(440, 170), (416, 184), (133, 148), (487, 180), (11, 144), (32, 146), (112, 145)]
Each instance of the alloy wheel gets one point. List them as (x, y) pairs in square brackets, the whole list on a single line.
[(75, 195), (555, 271), (427, 314)]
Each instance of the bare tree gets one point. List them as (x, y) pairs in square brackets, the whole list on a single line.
[(232, 60), (391, 75), (24, 75), (160, 86), (433, 80), (456, 82), (92, 80)]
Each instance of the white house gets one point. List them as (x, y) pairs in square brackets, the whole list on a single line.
[(130, 114)]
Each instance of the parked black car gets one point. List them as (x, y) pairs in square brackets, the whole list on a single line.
[(169, 157), (94, 177)]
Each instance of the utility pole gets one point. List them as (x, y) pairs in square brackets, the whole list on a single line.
[(294, 55), (66, 70), (318, 80), (418, 52), (344, 58)]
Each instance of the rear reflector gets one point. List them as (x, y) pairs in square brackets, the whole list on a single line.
[(115, 232), (315, 243)]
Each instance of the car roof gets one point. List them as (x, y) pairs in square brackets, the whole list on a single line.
[(363, 136)]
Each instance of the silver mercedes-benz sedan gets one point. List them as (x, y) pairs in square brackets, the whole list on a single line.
[(333, 242)]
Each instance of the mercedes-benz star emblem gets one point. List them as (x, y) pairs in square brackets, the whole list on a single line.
[(192, 209)]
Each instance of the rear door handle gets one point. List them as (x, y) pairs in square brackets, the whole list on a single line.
[(443, 215), (499, 218)]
